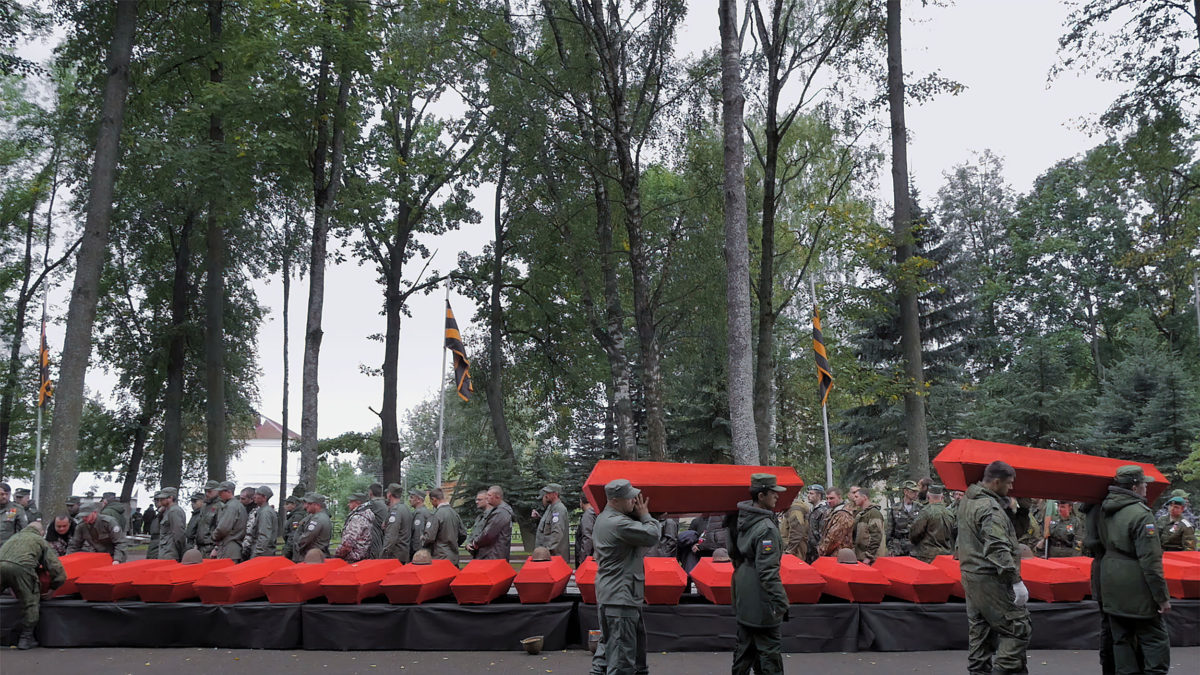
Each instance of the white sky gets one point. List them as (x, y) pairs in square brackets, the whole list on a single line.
[(1002, 50)]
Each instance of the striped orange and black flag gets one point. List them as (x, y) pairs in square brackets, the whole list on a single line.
[(462, 367), (45, 384), (824, 375)]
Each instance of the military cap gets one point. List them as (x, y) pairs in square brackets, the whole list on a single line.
[(291, 499), (816, 487), (109, 495), (1131, 474), (936, 490), (264, 491), (197, 496), (909, 485), (21, 492), (621, 489), (74, 499), (89, 507), (227, 485), (161, 494), (357, 497), (211, 485), (170, 491), (1177, 500), (759, 481), (416, 492), (552, 487), (314, 498)]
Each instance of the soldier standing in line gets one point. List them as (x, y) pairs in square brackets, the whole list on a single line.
[(194, 521), (900, 519), (172, 526), (266, 525), (1133, 589), (315, 530), (998, 621), (793, 527), (933, 532), (12, 515), (397, 533), (1066, 533), (380, 508), (294, 516), (22, 557), (357, 531), (839, 525), (445, 532), (208, 518), (552, 531), (870, 538), (622, 529), (816, 520), (102, 533), (481, 503), (230, 528), (32, 514), (495, 542), (246, 497), (583, 533), (1176, 532), (115, 509), (759, 601), (422, 518), (152, 527)]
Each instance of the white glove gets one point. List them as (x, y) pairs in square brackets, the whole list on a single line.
[(1021, 594)]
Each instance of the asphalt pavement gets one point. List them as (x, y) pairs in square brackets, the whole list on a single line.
[(232, 661)]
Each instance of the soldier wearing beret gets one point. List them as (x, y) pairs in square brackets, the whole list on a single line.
[(265, 531), (315, 531), (12, 516), (22, 557), (171, 524), (1187, 508), (102, 533), (553, 529), (934, 530), (900, 519), (397, 532), (230, 527), (759, 601), (23, 498), (1174, 529), (1133, 589), (357, 531), (622, 529)]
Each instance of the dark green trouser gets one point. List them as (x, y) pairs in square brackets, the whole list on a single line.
[(1140, 645), (622, 648), (26, 587), (996, 626), (758, 650)]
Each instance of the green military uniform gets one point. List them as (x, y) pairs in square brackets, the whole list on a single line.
[(617, 540), (759, 601), (397, 533), (422, 521), (32, 514), (444, 534), (103, 536), (933, 531), (553, 530), (230, 528), (1031, 532), (208, 517), (870, 538), (194, 521), (1132, 586), (1066, 536), (1176, 534), (793, 527), (13, 519), (1092, 547), (265, 532), (115, 510), (816, 524), (381, 511), (155, 533), (290, 526), (900, 520), (22, 557), (991, 570), (315, 530)]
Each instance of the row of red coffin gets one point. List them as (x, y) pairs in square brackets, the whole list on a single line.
[(95, 578)]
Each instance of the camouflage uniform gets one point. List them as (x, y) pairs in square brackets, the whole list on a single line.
[(933, 532), (900, 521), (21, 558), (816, 527), (1066, 536), (793, 527), (870, 540), (357, 533), (12, 520), (839, 530)]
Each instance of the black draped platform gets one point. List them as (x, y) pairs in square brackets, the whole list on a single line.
[(694, 625)]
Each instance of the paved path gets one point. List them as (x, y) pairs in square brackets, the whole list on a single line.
[(232, 661)]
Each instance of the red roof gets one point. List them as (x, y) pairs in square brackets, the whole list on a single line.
[(268, 429)]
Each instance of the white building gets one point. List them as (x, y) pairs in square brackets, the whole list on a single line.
[(260, 459)]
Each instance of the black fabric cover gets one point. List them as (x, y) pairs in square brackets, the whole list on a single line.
[(1183, 623), (247, 625), (436, 626), (703, 627)]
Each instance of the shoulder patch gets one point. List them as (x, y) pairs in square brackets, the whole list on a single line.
[(312, 526), (554, 518), (392, 519), (428, 524), (1150, 529), (766, 546), (116, 528)]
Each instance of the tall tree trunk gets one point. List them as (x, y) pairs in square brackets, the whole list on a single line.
[(18, 337), (906, 289), (283, 443), (172, 471), (1094, 336), (327, 178), (214, 284), (393, 305), (740, 385), (612, 335), (149, 408), (62, 456), (495, 384)]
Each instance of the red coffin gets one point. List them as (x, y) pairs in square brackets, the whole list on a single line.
[(241, 582), (685, 488), (299, 583), (665, 581), (542, 581), (1192, 557), (414, 584), (1082, 562), (110, 582), (913, 580), (585, 579), (714, 580), (482, 581), (75, 564), (352, 584), (177, 582), (801, 582), (1047, 474), (949, 566), (1053, 581), (1183, 575), (856, 583)]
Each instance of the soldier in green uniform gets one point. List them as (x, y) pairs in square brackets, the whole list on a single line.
[(294, 515), (315, 531), (900, 520), (445, 532), (379, 507), (1176, 532), (172, 525), (397, 532), (208, 518), (759, 601), (230, 528), (102, 533), (870, 538), (266, 525), (422, 518), (552, 531), (1133, 589), (73, 505), (998, 620), (793, 527), (934, 530), (22, 557), (115, 509), (23, 499), (1066, 533), (194, 521), (622, 529), (816, 519), (153, 529), (12, 516), (1092, 547)]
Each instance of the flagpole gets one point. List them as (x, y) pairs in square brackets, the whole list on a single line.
[(37, 454), (442, 404), (824, 408)]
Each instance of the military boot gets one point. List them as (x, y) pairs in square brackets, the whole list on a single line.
[(27, 641)]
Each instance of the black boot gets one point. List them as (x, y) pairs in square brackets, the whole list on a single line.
[(27, 641)]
